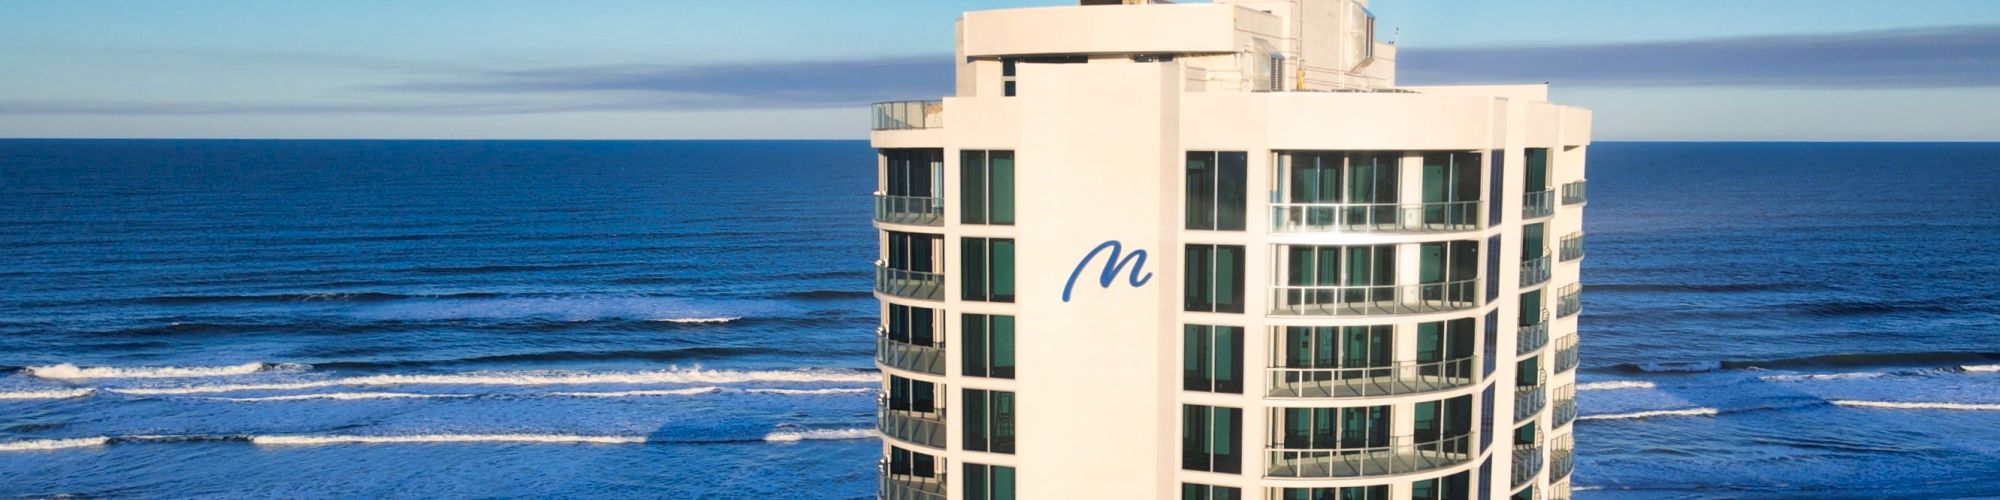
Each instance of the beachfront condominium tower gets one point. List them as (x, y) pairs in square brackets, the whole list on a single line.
[(1214, 251)]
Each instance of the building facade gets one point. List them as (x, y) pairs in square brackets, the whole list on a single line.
[(1213, 251)]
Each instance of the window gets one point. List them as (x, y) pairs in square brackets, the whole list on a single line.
[(1214, 278), (1353, 351), (1212, 439), (1493, 184), (989, 421), (1493, 269), (987, 269), (1451, 188), (910, 463), (989, 346), (1216, 190), (915, 173), (1328, 275), (1445, 422), (1444, 348), (1533, 245), (1278, 73), (1354, 428), (989, 482), (913, 325), (1538, 170), (1492, 341), (1486, 421), (1212, 358), (914, 252), (1377, 492), (1528, 373), (1532, 308), (1453, 487), (986, 186), (912, 395), (1525, 435), (1192, 491)]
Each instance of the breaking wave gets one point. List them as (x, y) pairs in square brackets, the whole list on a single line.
[(1823, 376), (811, 392), (698, 321), (1981, 368), (1614, 385), (68, 371), (445, 438), (61, 394), (1898, 405), (690, 376), (1827, 361), (54, 444), (345, 396), (1690, 412), (633, 394), (819, 435)]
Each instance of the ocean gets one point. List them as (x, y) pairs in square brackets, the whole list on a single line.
[(692, 319)]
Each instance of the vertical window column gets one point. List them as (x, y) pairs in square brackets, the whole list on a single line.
[(1212, 439), (1214, 278), (986, 187), (1216, 190), (1212, 359), (989, 346), (987, 269), (989, 482), (989, 421)]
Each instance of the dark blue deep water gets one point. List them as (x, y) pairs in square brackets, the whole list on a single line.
[(690, 319)]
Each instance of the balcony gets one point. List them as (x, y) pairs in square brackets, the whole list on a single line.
[(1408, 377), (908, 356), (1572, 246), (916, 427), (908, 487), (1561, 462), (1403, 456), (908, 284), (1538, 204), (1533, 336), (909, 115), (1573, 194), (1570, 300), (1566, 357), (1559, 491), (912, 210), (1367, 300), (1532, 399), (1527, 463), (1444, 217), (1565, 409), (1535, 271)]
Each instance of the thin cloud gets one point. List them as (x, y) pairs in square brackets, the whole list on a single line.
[(1938, 57), (751, 85)]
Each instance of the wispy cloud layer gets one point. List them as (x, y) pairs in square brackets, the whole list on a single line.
[(754, 84), (1940, 57)]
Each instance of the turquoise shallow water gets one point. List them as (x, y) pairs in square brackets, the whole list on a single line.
[(681, 319)]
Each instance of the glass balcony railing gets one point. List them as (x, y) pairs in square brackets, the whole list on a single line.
[(910, 284), (1572, 246), (1538, 204), (1573, 193), (909, 115), (1570, 300), (1367, 300), (1533, 336), (1528, 461), (1535, 271), (1559, 491), (909, 356), (1375, 218), (1566, 356), (909, 486), (1529, 401), (1561, 462), (1402, 456), (913, 210), (1565, 407), (916, 427), (1408, 377)]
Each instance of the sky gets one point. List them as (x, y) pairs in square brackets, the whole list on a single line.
[(1738, 70)]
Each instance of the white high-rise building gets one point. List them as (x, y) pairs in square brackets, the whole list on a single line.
[(1213, 251)]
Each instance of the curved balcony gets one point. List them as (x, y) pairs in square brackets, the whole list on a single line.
[(1572, 246), (909, 115), (1566, 356), (1531, 400), (1402, 456), (908, 356), (1443, 217), (912, 210), (1573, 193), (1367, 300), (1565, 409), (1527, 463), (908, 487), (1535, 271), (926, 429), (908, 284), (1561, 462), (1570, 301), (1538, 204), (1533, 337), (1409, 377)]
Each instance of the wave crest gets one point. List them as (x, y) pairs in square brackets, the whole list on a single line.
[(1981, 368), (67, 371), (1690, 412), (345, 396), (819, 435), (1614, 385), (54, 444), (61, 394), (1899, 405), (690, 376), (698, 321), (631, 394), (444, 438)]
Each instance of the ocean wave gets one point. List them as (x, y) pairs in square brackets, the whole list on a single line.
[(1858, 360), (283, 298), (1899, 405), (56, 394), (445, 438), (1614, 385), (632, 394), (54, 444), (345, 396), (812, 392), (1823, 376), (690, 376), (1686, 287), (682, 354), (68, 371), (827, 295), (819, 435), (1981, 368), (697, 321), (1690, 412)]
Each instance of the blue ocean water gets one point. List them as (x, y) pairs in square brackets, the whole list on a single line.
[(691, 319)]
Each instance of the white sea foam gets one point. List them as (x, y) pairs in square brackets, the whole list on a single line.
[(1586, 488), (819, 435), (719, 319), (811, 392), (636, 394), (1981, 368), (54, 444), (61, 394), (690, 376), (1690, 412), (445, 438), (1822, 376), (345, 396), (1614, 385), (1899, 405), (68, 371)]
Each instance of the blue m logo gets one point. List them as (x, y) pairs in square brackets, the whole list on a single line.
[(1112, 265)]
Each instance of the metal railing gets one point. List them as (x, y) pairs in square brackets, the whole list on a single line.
[(1561, 462), (1565, 408), (1573, 193), (1532, 399), (1439, 217), (1572, 246), (1538, 204), (911, 284), (1533, 336), (1559, 491), (1535, 271), (1408, 377), (1570, 300), (908, 356), (1566, 355), (1527, 462), (909, 115), (1402, 456), (1374, 300), (913, 210), (909, 487), (922, 428)]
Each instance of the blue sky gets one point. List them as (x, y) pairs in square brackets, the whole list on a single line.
[(1653, 70)]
